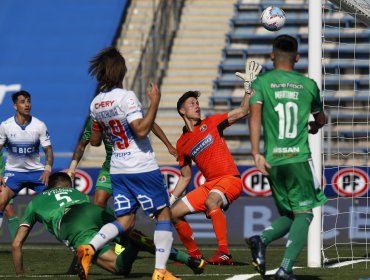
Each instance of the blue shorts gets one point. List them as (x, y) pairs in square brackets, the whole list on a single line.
[(19, 180), (146, 190)]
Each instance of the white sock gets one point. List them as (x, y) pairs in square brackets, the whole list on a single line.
[(1, 219), (163, 243), (106, 234)]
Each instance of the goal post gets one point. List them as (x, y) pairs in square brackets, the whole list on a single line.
[(314, 72)]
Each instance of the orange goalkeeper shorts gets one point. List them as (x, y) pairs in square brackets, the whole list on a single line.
[(230, 186)]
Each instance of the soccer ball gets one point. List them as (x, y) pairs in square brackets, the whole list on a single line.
[(273, 18)]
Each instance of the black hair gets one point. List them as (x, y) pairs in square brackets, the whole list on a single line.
[(109, 68), (59, 179), (184, 97), (20, 93), (285, 43)]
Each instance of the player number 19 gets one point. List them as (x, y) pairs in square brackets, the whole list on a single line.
[(288, 119)]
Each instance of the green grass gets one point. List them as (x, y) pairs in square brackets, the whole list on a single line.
[(52, 261)]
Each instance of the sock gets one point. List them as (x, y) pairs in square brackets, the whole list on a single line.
[(163, 239), (278, 229), (106, 234), (13, 225), (220, 227), (1, 218), (186, 237), (297, 239), (125, 260), (178, 256)]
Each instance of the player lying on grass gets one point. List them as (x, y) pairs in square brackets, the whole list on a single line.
[(73, 220)]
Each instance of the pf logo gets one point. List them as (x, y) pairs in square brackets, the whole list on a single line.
[(82, 181), (255, 183), (171, 176), (199, 179), (351, 182)]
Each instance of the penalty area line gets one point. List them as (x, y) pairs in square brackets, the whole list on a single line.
[(344, 263)]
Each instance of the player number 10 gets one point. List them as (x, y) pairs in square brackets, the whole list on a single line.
[(288, 119)]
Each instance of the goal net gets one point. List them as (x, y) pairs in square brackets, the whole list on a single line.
[(345, 88)]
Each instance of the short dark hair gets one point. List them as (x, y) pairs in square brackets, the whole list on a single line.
[(109, 68), (184, 97), (59, 179), (20, 93), (285, 43)]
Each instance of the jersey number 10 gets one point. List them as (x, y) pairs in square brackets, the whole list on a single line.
[(288, 119)]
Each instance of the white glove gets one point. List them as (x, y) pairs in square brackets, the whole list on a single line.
[(252, 69), (172, 199)]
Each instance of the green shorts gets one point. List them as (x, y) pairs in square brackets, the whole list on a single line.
[(295, 187), (103, 183), (81, 223)]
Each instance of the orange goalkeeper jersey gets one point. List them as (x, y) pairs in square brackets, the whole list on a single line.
[(206, 146)]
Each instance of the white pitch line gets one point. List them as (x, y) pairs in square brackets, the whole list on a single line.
[(344, 263), (250, 276)]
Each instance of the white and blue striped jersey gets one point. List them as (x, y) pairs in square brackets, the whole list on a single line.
[(114, 111), (23, 144)]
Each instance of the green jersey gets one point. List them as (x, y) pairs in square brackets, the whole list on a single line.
[(2, 164), (108, 146), (49, 207), (288, 98)]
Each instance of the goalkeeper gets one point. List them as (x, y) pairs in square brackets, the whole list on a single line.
[(68, 215), (282, 102), (202, 142)]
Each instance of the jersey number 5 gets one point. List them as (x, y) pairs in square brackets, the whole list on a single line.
[(61, 196)]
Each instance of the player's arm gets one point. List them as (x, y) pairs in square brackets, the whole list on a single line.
[(77, 156), (182, 183), (2, 181), (143, 126), (240, 112), (157, 130), (17, 245), (96, 136), (49, 160), (318, 123), (255, 123)]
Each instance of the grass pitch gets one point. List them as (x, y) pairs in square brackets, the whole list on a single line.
[(52, 261)]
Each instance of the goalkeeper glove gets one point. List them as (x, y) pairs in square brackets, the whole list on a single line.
[(252, 69)]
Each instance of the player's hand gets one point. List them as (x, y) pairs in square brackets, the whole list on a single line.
[(172, 151), (71, 173), (261, 164), (45, 177), (172, 199), (153, 93), (252, 69), (2, 181), (312, 127)]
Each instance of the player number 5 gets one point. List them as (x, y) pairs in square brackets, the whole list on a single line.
[(61, 196)]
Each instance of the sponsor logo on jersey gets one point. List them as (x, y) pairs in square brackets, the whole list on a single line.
[(350, 182), (284, 150), (255, 183), (171, 175), (201, 146), (104, 104), (23, 149), (203, 127)]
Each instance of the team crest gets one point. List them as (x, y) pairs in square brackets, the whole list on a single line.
[(102, 179), (203, 127)]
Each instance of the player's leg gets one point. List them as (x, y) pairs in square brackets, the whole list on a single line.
[(5, 195), (304, 194), (223, 192), (13, 220), (103, 188)]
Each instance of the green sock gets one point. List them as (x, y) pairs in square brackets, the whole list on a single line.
[(179, 256), (13, 225), (297, 239), (277, 230), (126, 259)]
